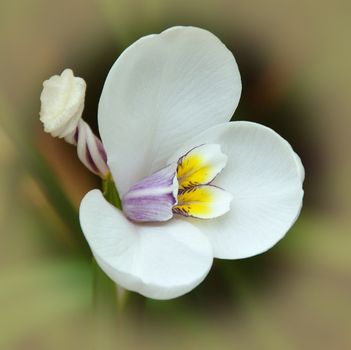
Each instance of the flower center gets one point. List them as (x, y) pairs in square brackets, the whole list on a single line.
[(182, 188)]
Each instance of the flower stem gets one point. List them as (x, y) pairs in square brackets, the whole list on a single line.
[(111, 194), (109, 296), (103, 292)]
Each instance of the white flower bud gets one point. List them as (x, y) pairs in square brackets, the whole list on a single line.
[(62, 103)]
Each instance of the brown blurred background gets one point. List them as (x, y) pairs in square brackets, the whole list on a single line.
[(293, 57)]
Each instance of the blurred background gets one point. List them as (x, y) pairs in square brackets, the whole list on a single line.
[(294, 60)]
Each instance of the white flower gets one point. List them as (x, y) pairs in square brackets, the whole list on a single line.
[(62, 103), (165, 105)]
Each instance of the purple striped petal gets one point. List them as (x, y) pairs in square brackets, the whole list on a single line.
[(153, 197)]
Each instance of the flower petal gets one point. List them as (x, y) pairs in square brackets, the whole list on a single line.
[(203, 202), (300, 168), (265, 178), (163, 90), (160, 261), (152, 198), (200, 165)]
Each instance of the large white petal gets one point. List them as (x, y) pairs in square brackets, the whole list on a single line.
[(300, 167), (160, 261), (163, 90), (265, 176)]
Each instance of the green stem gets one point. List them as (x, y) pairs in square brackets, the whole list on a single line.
[(103, 285), (110, 192), (103, 292), (106, 292)]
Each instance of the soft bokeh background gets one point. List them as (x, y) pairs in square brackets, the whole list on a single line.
[(294, 59)]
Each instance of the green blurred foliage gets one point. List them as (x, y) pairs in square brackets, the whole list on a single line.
[(293, 58)]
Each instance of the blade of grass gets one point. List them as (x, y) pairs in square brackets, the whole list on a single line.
[(35, 164)]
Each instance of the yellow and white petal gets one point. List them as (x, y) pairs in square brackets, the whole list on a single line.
[(160, 261), (200, 166), (203, 202), (265, 178), (163, 90)]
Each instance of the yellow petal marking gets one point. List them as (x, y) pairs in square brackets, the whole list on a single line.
[(195, 170), (200, 166), (203, 202), (192, 172)]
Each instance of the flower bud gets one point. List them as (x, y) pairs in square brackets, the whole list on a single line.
[(62, 103)]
